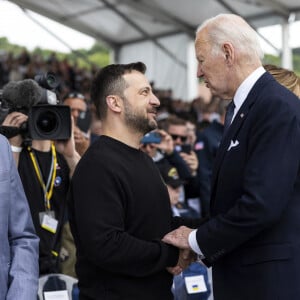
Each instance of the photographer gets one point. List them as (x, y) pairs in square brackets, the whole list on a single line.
[(45, 167), (82, 120)]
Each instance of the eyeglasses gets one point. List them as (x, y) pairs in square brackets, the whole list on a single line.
[(176, 136)]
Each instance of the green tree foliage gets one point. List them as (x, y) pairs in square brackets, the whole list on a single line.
[(275, 60), (5, 46), (296, 61), (271, 60), (98, 55)]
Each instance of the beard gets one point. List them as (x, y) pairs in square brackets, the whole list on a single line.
[(136, 120)]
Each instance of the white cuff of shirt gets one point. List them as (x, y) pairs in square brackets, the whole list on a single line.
[(16, 149), (193, 243)]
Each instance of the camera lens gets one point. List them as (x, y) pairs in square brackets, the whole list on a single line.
[(48, 81), (47, 122), (51, 80)]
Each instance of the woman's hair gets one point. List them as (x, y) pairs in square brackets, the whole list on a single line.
[(285, 77)]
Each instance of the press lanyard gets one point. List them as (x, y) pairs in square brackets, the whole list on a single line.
[(48, 187)]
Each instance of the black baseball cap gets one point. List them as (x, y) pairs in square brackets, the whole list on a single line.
[(170, 175)]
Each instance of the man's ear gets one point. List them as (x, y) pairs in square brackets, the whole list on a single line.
[(114, 103), (228, 53)]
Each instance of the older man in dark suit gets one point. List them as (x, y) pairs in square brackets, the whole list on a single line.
[(252, 239)]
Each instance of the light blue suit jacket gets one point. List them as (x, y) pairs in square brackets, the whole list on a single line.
[(19, 244)]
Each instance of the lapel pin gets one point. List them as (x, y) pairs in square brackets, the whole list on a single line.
[(242, 115)]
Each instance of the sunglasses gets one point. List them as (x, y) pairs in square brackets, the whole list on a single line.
[(176, 136), (75, 95)]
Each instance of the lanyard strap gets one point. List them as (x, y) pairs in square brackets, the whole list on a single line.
[(47, 188)]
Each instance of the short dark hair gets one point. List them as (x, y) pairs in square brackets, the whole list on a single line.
[(173, 120), (110, 81)]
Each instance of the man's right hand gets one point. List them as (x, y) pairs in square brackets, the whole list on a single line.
[(166, 144), (82, 141), (15, 119)]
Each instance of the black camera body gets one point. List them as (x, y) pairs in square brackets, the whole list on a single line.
[(47, 120)]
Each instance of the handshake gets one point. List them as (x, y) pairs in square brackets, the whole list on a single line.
[(179, 238)]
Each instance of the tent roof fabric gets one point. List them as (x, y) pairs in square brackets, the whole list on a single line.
[(121, 22), (159, 32)]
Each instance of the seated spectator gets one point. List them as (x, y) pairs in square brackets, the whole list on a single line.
[(174, 183)]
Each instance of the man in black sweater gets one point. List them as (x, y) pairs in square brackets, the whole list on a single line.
[(119, 204)]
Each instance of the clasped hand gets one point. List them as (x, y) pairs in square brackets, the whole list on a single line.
[(179, 238)]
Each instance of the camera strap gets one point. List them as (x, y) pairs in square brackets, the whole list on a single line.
[(47, 187)]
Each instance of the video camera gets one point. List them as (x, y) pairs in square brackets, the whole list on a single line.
[(36, 98)]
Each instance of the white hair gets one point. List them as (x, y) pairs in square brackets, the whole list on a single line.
[(234, 29)]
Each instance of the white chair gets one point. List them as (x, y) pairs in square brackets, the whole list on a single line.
[(68, 280)]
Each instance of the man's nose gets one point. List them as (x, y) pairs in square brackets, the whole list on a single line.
[(199, 71), (154, 100)]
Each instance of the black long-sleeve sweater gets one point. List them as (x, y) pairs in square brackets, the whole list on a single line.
[(119, 211)]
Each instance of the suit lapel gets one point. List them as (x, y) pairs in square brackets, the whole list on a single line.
[(231, 133), (235, 126)]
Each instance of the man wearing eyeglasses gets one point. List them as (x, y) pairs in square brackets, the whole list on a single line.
[(80, 113), (178, 130)]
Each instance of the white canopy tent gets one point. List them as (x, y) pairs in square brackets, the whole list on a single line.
[(161, 32)]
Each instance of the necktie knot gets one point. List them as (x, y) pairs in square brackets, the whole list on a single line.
[(228, 116)]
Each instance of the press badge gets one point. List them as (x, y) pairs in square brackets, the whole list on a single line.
[(195, 284), (48, 221)]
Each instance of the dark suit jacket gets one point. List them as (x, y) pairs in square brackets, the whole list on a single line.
[(253, 238)]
